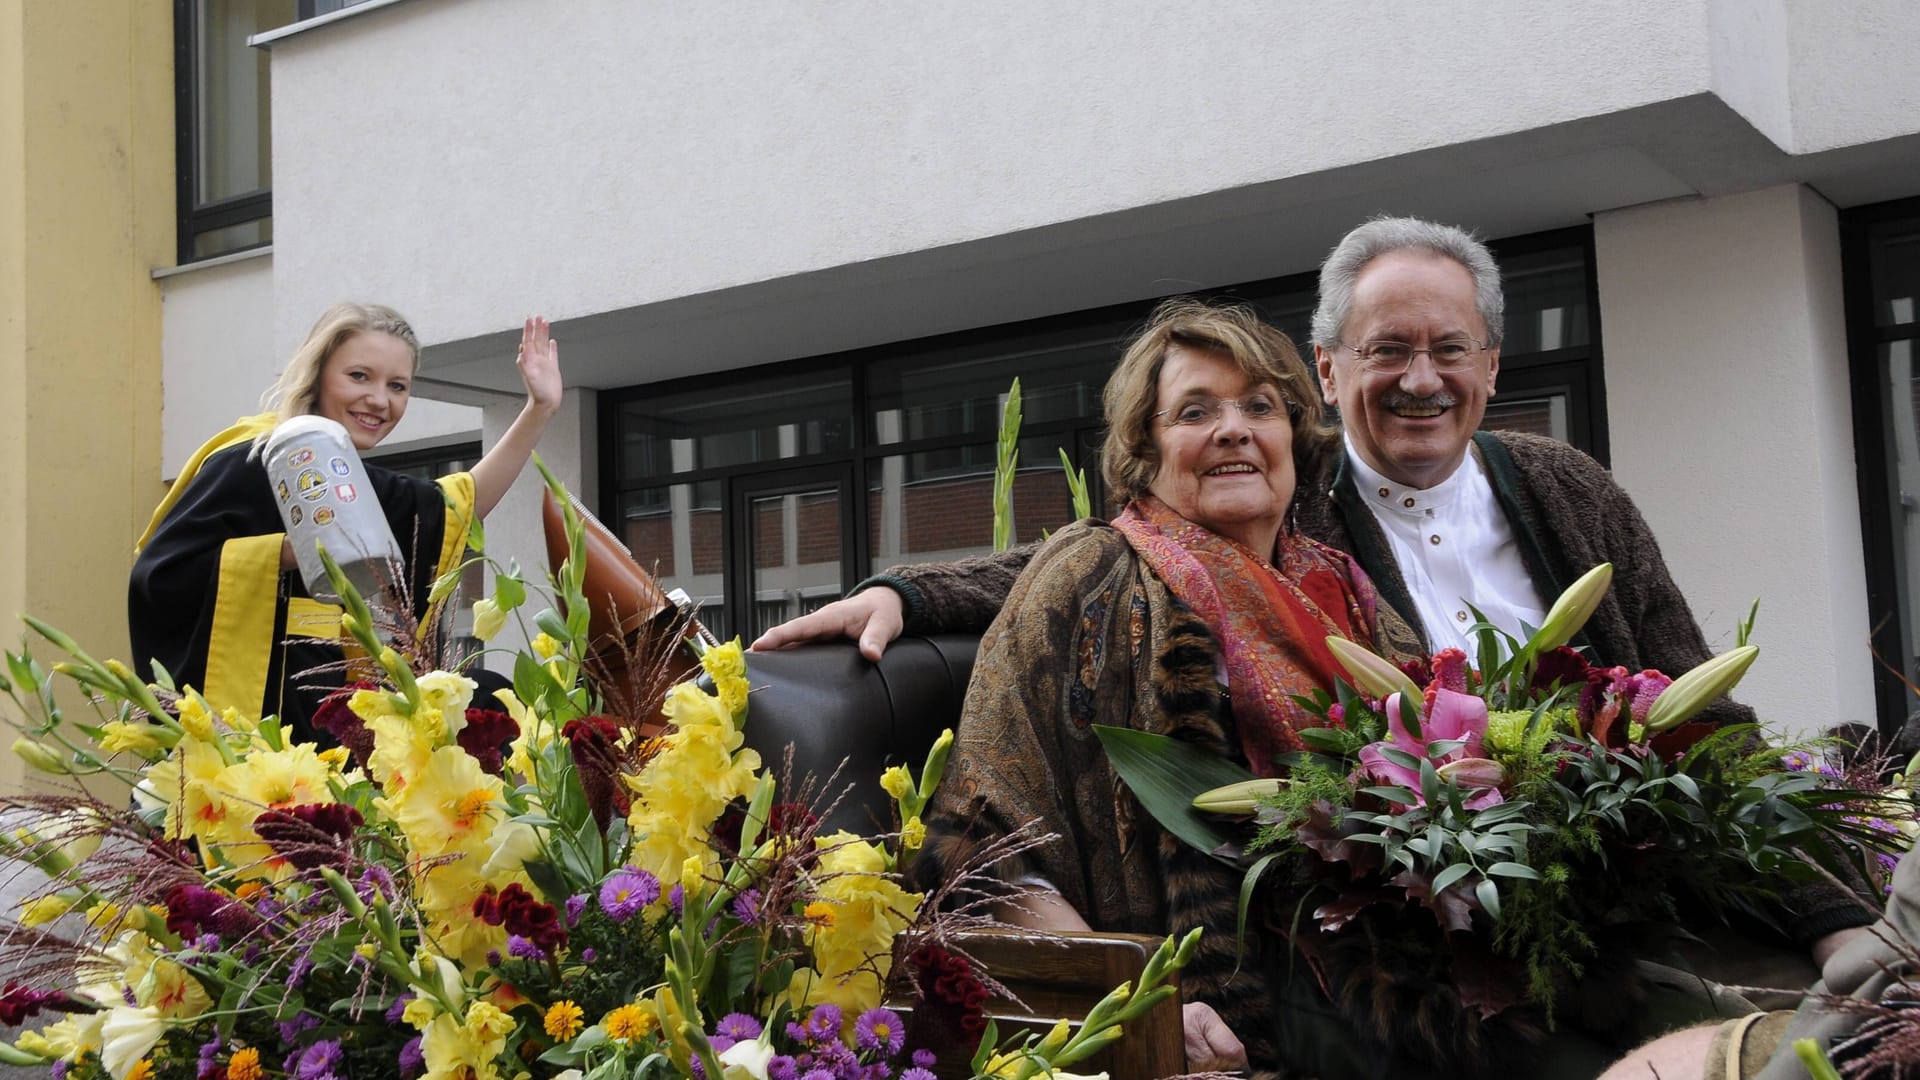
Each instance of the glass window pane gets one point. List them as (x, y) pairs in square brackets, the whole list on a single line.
[(751, 420), (1546, 301), (676, 533), (234, 129), (247, 234), (795, 540), (1545, 415), (1894, 263), (1902, 386), (928, 396), (923, 508)]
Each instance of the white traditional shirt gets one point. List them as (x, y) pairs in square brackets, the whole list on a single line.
[(1454, 546)]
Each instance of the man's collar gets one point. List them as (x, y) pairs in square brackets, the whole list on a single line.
[(1391, 496)]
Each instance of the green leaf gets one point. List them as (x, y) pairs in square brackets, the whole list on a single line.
[(1514, 870), (551, 624), (509, 591), (1403, 796), (1451, 874), (1489, 895), (476, 533), (1165, 775), (1246, 898)]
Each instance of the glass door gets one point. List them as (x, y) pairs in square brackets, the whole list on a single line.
[(788, 552)]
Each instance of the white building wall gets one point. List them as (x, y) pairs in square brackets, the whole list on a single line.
[(1730, 424), (218, 356)]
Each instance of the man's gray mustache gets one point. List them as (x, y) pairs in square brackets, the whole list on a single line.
[(1394, 399)]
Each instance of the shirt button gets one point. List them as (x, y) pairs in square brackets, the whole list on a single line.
[(1408, 503), (1460, 615), (1383, 493), (1434, 539)]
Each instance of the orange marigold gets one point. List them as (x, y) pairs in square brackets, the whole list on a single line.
[(245, 1065)]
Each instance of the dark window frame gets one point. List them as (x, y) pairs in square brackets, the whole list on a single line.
[(194, 218), (1578, 371), (1878, 492)]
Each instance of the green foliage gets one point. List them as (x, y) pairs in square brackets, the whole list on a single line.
[(1005, 467)]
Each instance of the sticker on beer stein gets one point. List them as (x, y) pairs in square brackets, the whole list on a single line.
[(323, 516), (284, 493), (339, 466), (345, 493), (296, 514), (301, 456), (311, 484)]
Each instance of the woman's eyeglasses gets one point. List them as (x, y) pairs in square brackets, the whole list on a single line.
[(1254, 409)]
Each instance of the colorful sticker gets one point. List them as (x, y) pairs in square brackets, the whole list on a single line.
[(301, 456), (339, 466), (297, 514), (345, 493), (284, 493), (323, 516), (311, 484)]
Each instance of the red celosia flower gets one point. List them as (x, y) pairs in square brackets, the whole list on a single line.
[(19, 1004), (309, 836), (1450, 670), (1562, 667), (336, 719), (952, 1008), (516, 909), (486, 736), (194, 909), (786, 819), (596, 759)]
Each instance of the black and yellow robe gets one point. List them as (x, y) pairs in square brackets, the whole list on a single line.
[(209, 602)]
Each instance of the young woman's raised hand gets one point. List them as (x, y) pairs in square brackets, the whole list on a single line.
[(539, 363)]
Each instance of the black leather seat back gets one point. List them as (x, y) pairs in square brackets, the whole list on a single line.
[(832, 705)]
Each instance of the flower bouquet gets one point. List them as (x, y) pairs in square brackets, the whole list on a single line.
[(1513, 834), (460, 892)]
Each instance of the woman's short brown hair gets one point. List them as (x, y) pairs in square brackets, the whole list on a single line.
[(1129, 460)]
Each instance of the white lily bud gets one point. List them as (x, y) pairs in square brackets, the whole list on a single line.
[(1572, 610), (1240, 798), (1700, 688), (1474, 772), (1373, 674)]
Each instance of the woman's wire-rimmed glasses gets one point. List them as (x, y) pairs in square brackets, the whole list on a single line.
[(1258, 408)]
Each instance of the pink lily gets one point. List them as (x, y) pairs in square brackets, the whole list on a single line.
[(1448, 715)]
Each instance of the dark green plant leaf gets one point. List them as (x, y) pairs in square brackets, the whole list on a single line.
[(1165, 775)]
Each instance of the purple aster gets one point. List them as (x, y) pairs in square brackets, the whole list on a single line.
[(318, 1060), (209, 1055), (746, 907), (781, 1067), (677, 899), (207, 943), (627, 891), (290, 1029), (297, 975), (412, 1058), (493, 957), (823, 1022), (59, 1071), (721, 1043), (576, 905), (819, 1074), (879, 1070), (919, 1072), (588, 956), (879, 1030), (524, 949), (397, 1010), (697, 1070), (738, 1026), (923, 1059)]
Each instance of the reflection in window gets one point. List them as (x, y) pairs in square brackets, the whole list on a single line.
[(225, 128), (1886, 317), (756, 420), (920, 511)]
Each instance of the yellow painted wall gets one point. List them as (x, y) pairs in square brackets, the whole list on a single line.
[(86, 213)]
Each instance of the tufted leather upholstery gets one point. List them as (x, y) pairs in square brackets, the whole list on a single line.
[(832, 705)]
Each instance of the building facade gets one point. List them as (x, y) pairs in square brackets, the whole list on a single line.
[(798, 252)]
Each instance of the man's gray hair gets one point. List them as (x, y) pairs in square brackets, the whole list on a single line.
[(1387, 234)]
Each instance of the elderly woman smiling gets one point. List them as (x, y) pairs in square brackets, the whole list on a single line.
[(1198, 612)]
